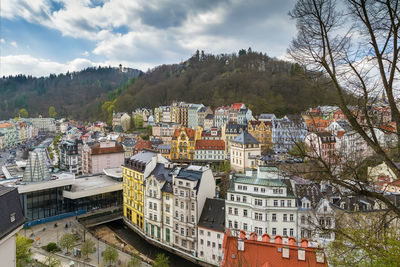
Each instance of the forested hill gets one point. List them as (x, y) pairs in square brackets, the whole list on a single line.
[(74, 94), (265, 84)]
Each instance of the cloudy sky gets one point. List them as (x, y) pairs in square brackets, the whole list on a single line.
[(39, 37)]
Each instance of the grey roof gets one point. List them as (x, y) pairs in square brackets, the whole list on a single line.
[(213, 215), (143, 156), (129, 142), (10, 210), (161, 173), (345, 125), (245, 138), (163, 146), (192, 175), (235, 128), (310, 191), (167, 187), (209, 117)]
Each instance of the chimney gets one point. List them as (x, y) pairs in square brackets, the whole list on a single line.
[(242, 234), (253, 236), (278, 239), (304, 243), (266, 238)]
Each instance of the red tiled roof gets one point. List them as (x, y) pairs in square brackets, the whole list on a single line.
[(142, 144), (237, 105), (265, 253), (97, 150), (210, 145), (189, 132), (5, 125)]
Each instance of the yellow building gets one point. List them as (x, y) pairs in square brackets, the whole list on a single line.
[(262, 131), (135, 170), (183, 144)]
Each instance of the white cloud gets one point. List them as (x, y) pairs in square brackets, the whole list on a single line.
[(146, 33), (28, 65), (2, 41), (14, 44)]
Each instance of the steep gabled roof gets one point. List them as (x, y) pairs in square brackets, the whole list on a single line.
[(245, 138), (213, 215), (10, 210), (310, 191)]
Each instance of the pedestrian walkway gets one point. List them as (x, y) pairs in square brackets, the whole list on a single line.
[(45, 233)]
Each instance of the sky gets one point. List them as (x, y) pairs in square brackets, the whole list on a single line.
[(39, 37)]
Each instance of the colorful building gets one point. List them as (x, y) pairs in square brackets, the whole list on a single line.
[(135, 170), (262, 132), (183, 144)]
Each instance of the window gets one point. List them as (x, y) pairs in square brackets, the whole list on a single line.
[(274, 217), (238, 198), (273, 231), (291, 232), (236, 211), (176, 227), (176, 214), (208, 243), (230, 210), (289, 203), (275, 203), (182, 218), (255, 189), (155, 206), (201, 242), (244, 213), (236, 225), (258, 202), (230, 224), (167, 208), (285, 217), (201, 232), (244, 188), (219, 246), (192, 206), (176, 202), (284, 231), (245, 226), (167, 220), (282, 203), (192, 232), (291, 217), (239, 187), (150, 205), (232, 197), (182, 205), (182, 193), (244, 198), (213, 244), (258, 216), (182, 231), (262, 190)]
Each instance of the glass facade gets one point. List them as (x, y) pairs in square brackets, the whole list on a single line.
[(50, 202), (44, 203), (106, 200)]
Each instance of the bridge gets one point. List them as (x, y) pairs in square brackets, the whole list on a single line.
[(101, 216)]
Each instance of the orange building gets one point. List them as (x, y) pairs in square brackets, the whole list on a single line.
[(283, 252)]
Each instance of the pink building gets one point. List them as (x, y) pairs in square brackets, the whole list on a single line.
[(104, 154)]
